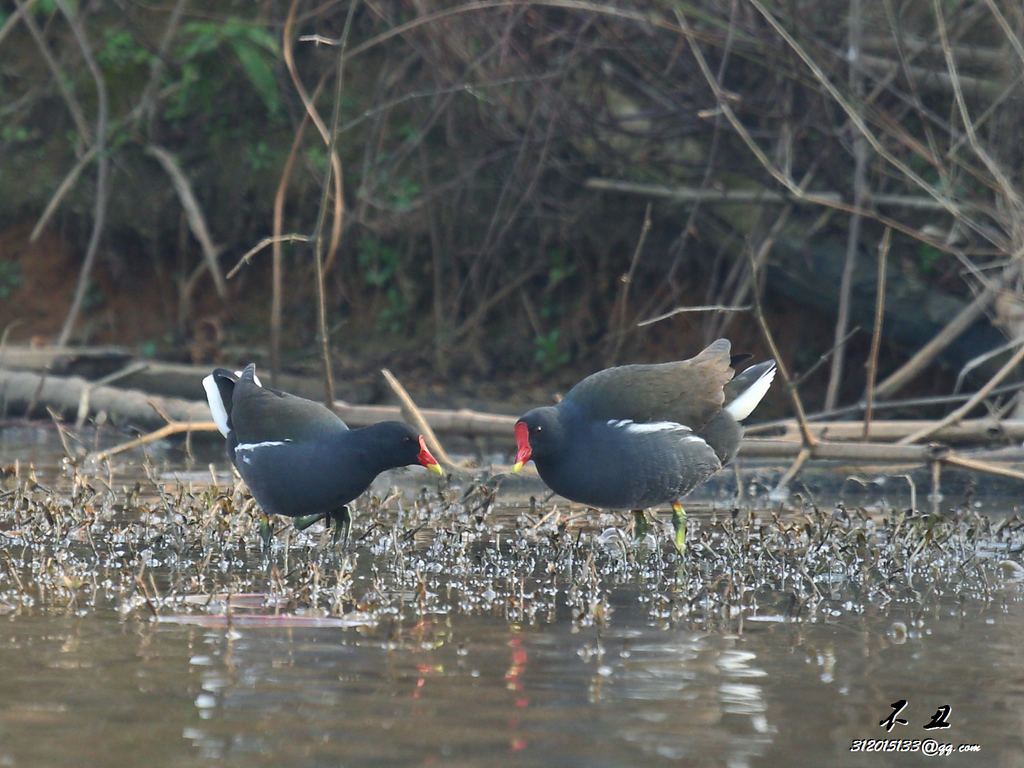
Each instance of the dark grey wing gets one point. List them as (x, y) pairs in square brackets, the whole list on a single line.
[(688, 392), (261, 415)]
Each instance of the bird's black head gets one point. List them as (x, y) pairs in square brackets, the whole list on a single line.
[(400, 446), (539, 435)]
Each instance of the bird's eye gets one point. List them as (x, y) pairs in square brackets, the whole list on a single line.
[(406, 439), (538, 429)]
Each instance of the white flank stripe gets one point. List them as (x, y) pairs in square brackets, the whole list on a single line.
[(742, 406), (647, 427), (220, 413), (254, 446)]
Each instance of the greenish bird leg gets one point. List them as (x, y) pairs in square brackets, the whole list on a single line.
[(266, 531), (342, 526), (641, 525), (303, 522), (679, 525)]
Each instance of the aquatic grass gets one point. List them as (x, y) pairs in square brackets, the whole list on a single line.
[(179, 553)]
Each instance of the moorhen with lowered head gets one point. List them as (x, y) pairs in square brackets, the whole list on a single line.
[(297, 457), (637, 436)]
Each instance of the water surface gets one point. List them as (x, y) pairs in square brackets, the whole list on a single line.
[(452, 638)]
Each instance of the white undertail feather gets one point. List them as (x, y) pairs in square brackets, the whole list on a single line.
[(220, 413), (743, 405), (217, 408)]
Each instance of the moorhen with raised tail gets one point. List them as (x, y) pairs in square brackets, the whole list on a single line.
[(297, 457), (638, 436)]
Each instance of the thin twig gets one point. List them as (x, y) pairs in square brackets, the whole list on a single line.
[(1005, 185), (318, 257), (798, 406), (414, 416), (783, 484), (858, 121), (983, 466), (860, 160), (63, 189), (193, 214), (292, 238), (627, 279), (680, 310), (966, 317), (102, 164), (964, 409), (147, 102), (74, 108), (876, 334), (14, 18), (173, 428)]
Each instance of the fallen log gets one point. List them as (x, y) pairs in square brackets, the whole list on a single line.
[(866, 452), (968, 431), (127, 406), (64, 395), (88, 362)]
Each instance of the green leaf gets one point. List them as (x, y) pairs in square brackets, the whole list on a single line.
[(259, 72)]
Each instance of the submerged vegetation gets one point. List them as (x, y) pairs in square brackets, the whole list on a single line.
[(177, 554)]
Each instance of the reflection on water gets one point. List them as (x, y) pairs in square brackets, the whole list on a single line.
[(478, 691)]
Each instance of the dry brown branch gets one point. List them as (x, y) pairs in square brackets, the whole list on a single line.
[(619, 318), (277, 257), (947, 203), (193, 214), (782, 486), (14, 18), (924, 356), (147, 102), (63, 189), (74, 108), (173, 428), (968, 431), (327, 135), (757, 196), (100, 203), (934, 80), (293, 238), (876, 334), (963, 410), (1006, 187), (983, 466), (855, 22), (414, 416), (429, 18), (681, 310)]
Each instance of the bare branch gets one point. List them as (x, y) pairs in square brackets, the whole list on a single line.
[(193, 214), (293, 238), (100, 205), (63, 189)]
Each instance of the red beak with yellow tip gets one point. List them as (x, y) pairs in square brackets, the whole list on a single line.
[(426, 459), (524, 452)]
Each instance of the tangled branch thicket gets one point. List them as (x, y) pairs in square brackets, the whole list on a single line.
[(497, 158)]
